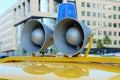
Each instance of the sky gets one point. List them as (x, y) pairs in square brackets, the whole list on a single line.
[(6, 4)]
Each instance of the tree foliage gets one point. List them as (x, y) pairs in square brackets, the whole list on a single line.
[(106, 40), (99, 44)]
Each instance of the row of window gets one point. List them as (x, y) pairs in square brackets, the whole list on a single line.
[(114, 42), (21, 9), (100, 6), (101, 24), (43, 6), (109, 33), (99, 15)]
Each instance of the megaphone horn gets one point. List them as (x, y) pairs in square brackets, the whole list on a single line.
[(71, 36), (36, 36)]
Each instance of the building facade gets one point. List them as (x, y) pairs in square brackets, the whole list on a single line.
[(102, 16)]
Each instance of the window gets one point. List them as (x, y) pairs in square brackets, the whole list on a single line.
[(115, 33), (94, 23), (115, 42), (44, 5), (94, 14), (110, 24), (94, 5), (114, 7), (105, 15), (110, 33), (119, 25), (83, 21), (104, 24), (24, 9), (88, 22), (28, 5), (56, 5), (109, 16), (19, 11), (39, 5), (83, 4), (115, 24), (88, 4), (118, 16), (119, 34), (94, 41), (105, 32), (119, 42), (118, 8), (83, 13), (99, 32), (100, 23), (103, 6), (99, 15), (88, 13), (114, 16)]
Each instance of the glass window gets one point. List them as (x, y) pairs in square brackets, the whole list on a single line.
[(99, 15), (48, 21), (83, 21), (114, 7), (118, 8), (23, 9), (44, 5), (118, 16), (83, 13), (110, 24), (83, 4), (115, 42), (115, 33), (99, 32), (88, 4), (104, 24), (119, 25), (19, 11), (110, 33), (103, 6), (94, 5), (105, 32), (105, 15), (93, 14), (39, 5), (114, 16), (88, 13), (119, 42), (100, 23), (88, 22), (94, 23), (119, 33), (94, 41), (115, 24), (28, 5), (109, 16), (56, 4)]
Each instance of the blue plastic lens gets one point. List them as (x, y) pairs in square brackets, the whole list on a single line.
[(66, 10)]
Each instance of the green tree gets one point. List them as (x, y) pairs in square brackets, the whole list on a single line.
[(106, 40), (99, 44)]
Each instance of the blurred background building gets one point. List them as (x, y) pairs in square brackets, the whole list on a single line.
[(102, 16)]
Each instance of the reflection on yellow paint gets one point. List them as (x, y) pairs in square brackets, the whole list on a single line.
[(68, 70), (38, 69), (59, 70), (115, 77)]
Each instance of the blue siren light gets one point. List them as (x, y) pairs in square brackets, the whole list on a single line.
[(66, 10)]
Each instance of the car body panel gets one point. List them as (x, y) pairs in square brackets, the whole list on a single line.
[(59, 71)]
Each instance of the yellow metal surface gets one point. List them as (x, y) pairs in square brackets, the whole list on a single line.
[(89, 46), (64, 59), (59, 71)]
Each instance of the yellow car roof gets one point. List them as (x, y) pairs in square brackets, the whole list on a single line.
[(59, 71)]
